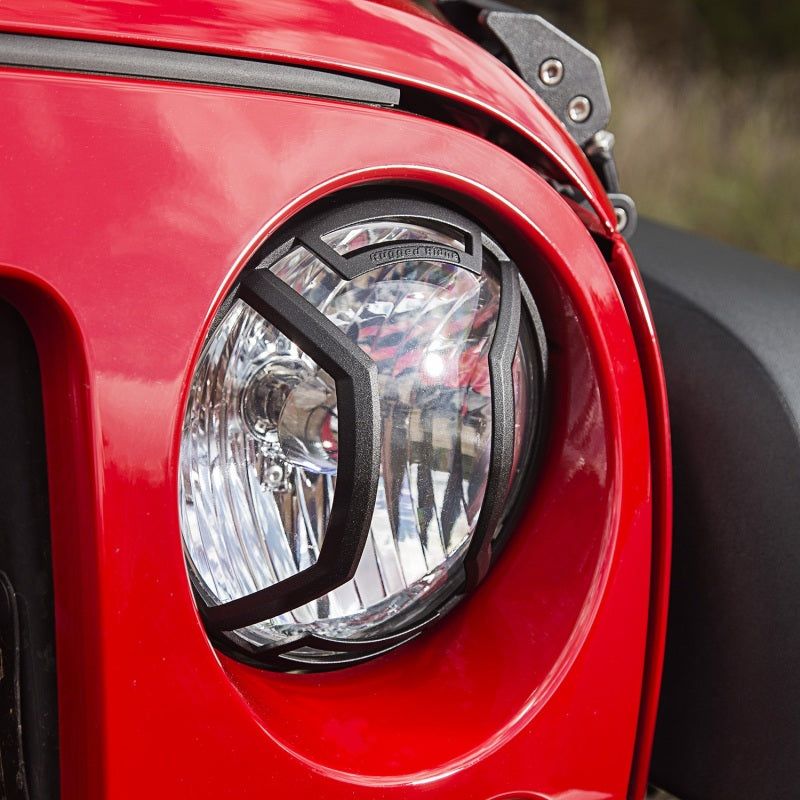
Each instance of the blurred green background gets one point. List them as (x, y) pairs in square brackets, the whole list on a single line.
[(705, 98)]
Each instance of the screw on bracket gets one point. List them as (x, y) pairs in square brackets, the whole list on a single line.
[(567, 76)]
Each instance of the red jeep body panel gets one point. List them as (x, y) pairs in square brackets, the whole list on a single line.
[(394, 42), (128, 207)]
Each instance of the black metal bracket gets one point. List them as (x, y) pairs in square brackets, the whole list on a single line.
[(559, 69), (356, 379), (567, 76)]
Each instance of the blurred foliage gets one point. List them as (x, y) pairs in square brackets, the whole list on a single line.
[(705, 97), (733, 36), (703, 151)]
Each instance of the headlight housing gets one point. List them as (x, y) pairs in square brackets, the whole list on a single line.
[(360, 420)]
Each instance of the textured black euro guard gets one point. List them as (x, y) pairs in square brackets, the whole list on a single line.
[(341, 652), (310, 329), (356, 378), (412, 209), (130, 61), (501, 459)]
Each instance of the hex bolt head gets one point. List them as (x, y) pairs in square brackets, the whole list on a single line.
[(622, 218), (579, 108), (551, 71), (601, 143)]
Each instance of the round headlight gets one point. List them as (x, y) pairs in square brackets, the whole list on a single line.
[(360, 415)]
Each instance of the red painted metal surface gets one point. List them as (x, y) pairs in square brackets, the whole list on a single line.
[(393, 42), (126, 209), (631, 288), (135, 204)]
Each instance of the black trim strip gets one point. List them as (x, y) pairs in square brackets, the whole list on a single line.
[(29, 652), (356, 379), (13, 780), (130, 61)]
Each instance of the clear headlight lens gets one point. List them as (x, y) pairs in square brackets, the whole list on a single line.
[(260, 440)]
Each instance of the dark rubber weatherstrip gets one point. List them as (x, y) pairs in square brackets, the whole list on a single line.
[(72, 55)]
